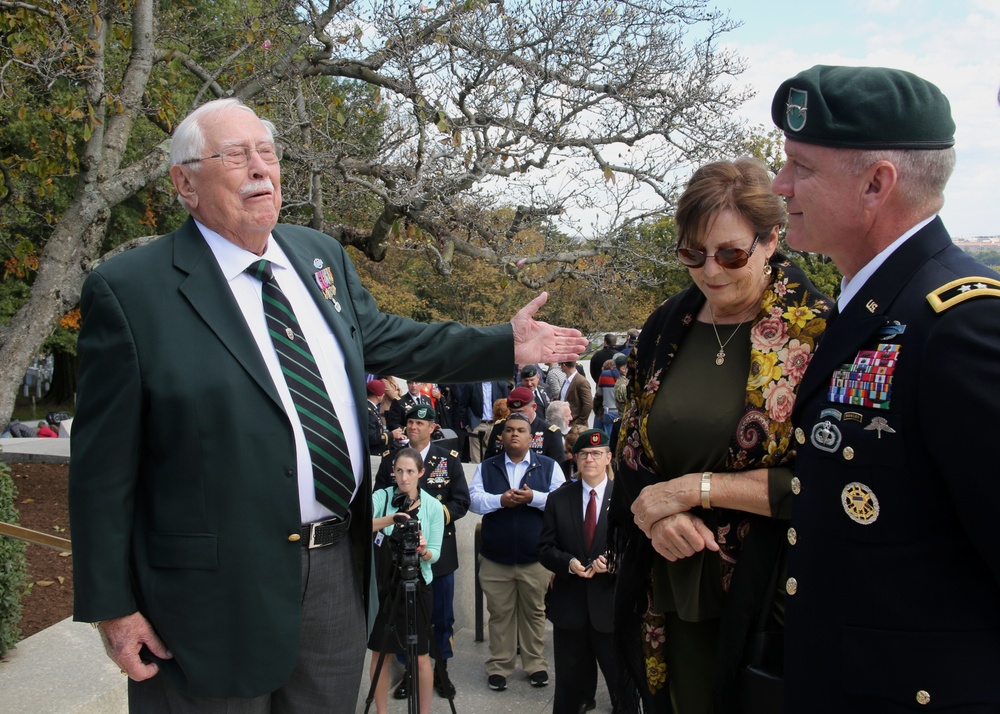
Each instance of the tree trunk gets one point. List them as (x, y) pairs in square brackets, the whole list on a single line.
[(62, 391)]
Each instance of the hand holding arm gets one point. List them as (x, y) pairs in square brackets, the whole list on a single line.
[(740, 490), (681, 536)]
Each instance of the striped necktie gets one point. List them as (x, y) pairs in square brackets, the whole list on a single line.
[(333, 476)]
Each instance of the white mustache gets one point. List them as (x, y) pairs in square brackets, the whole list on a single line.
[(257, 187)]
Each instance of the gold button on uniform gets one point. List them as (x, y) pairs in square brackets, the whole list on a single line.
[(791, 586), (848, 453), (800, 436), (796, 485), (294, 537), (793, 537), (923, 697)]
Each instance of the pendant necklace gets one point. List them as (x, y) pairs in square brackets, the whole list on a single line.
[(720, 356)]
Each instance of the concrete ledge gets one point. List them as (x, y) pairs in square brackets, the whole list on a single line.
[(34, 451), (62, 669)]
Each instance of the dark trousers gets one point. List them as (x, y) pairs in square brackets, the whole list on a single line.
[(578, 653), (327, 675), (443, 615)]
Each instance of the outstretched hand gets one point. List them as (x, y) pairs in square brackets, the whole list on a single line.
[(540, 342)]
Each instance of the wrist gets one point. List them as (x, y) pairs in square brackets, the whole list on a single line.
[(706, 490)]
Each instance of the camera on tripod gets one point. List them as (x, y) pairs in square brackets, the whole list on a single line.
[(404, 542)]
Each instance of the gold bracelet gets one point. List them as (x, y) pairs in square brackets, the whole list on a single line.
[(706, 490)]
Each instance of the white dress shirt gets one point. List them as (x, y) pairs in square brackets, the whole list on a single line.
[(233, 260), (483, 502)]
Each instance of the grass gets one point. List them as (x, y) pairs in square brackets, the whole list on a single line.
[(32, 414)]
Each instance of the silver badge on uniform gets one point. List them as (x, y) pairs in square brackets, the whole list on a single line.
[(826, 436), (860, 503), (879, 424)]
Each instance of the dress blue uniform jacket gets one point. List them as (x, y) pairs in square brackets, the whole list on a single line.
[(893, 572)]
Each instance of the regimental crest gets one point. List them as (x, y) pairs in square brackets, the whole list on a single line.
[(860, 503), (795, 109)]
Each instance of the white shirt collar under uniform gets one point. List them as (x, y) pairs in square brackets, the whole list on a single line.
[(848, 289)]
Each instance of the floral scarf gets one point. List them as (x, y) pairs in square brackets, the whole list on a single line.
[(783, 337)]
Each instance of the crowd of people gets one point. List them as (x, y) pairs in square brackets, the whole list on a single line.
[(774, 501)]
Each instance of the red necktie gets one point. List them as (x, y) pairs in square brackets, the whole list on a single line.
[(590, 522)]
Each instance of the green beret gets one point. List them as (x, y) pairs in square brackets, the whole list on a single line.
[(591, 439), (863, 108), (422, 411)]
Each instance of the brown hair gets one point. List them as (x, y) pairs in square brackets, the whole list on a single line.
[(500, 409), (743, 186)]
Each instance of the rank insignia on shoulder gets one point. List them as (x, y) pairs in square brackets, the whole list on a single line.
[(453, 453), (957, 291), (553, 427)]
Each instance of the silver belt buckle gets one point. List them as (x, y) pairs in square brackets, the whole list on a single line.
[(312, 534)]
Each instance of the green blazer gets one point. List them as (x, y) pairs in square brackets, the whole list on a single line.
[(183, 490)]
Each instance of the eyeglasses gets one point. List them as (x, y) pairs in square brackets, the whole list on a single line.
[(591, 455), (236, 157), (730, 258)]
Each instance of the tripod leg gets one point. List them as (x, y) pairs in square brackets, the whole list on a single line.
[(435, 650), (377, 667)]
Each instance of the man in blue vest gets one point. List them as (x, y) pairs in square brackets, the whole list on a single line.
[(510, 491)]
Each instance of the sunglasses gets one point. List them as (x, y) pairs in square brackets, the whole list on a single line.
[(731, 258)]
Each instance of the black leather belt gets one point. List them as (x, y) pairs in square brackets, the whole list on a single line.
[(321, 533)]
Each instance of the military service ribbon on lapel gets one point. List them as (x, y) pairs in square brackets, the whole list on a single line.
[(324, 279)]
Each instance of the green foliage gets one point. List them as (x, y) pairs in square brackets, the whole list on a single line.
[(13, 576)]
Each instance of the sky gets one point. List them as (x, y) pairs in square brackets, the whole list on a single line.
[(953, 43)]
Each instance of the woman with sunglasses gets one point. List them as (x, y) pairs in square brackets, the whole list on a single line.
[(706, 445)]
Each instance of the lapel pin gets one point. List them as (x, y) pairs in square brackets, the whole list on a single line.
[(872, 306), (317, 263)]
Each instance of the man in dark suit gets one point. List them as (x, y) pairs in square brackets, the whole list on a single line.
[(476, 410), (573, 546), (379, 439), (444, 479), (200, 491), (893, 580)]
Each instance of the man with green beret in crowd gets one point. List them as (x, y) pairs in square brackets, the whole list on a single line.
[(893, 583)]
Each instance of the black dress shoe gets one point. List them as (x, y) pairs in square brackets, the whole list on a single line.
[(588, 706), (402, 690), (539, 679), (442, 682), (497, 682)]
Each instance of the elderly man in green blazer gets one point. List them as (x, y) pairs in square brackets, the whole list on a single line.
[(208, 549)]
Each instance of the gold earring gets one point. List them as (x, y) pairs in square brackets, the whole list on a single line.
[(767, 269)]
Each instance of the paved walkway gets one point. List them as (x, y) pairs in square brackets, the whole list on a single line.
[(466, 668)]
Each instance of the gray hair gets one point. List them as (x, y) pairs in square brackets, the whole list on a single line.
[(554, 414), (923, 174), (189, 139)]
